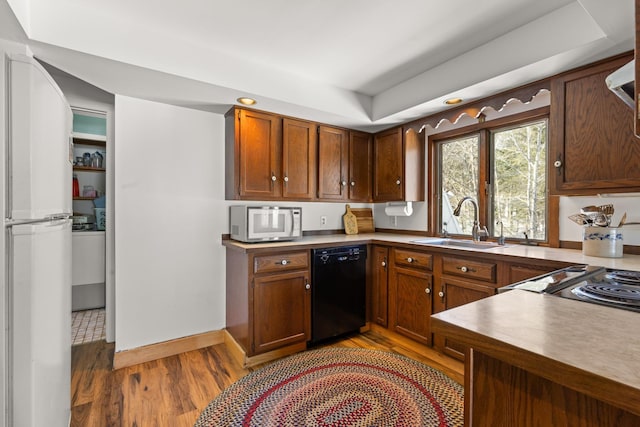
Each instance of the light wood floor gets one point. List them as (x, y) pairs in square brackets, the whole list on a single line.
[(174, 390)]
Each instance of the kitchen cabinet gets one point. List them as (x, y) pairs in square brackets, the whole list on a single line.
[(333, 163), (360, 166), (462, 280), (636, 108), (517, 271), (592, 144), (298, 159), (380, 285), (268, 301), (410, 285), (253, 150), (398, 166)]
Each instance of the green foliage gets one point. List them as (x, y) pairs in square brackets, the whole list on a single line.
[(517, 157)]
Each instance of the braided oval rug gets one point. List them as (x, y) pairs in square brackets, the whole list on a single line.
[(339, 387)]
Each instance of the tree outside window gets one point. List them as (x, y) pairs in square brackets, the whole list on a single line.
[(506, 176)]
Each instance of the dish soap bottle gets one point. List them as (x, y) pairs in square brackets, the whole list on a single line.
[(76, 186)]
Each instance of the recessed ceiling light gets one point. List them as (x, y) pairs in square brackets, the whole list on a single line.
[(247, 101), (453, 101)]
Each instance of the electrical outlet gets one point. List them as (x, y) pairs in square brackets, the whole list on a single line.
[(323, 220)]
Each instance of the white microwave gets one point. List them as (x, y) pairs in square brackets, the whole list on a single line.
[(265, 223)]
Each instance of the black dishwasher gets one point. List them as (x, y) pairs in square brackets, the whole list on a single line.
[(338, 291)]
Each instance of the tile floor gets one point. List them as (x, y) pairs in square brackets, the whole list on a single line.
[(87, 326)]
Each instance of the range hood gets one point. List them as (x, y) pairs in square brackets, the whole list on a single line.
[(621, 82)]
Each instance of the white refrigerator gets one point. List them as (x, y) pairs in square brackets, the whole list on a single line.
[(37, 250)]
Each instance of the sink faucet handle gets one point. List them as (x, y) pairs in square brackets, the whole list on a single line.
[(501, 237), (483, 233)]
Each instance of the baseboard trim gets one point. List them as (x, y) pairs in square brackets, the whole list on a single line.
[(147, 353), (245, 361)]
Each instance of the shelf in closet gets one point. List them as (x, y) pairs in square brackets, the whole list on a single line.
[(87, 169)]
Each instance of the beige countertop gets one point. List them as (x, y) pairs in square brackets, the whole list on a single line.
[(587, 347), (627, 262)]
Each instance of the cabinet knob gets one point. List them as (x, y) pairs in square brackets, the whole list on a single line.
[(353, 183), (557, 163), (384, 263), (273, 178), (286, 178), (441, 294), (307, 286), (343, 182), (398, 181), (285, 262), (410, 259), (427, 290), (464, 269)]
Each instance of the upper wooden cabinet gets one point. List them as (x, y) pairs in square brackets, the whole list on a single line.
[(592, 145), (253, 155), (268, 157), (298, 159), (360, 166), (333, 163), (398, 166)]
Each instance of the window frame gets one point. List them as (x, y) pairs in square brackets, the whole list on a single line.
[(483, 129)]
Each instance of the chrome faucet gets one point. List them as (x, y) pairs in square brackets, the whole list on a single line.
[(476, 230)]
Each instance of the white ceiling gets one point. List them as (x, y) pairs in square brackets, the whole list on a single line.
[(365, 64)]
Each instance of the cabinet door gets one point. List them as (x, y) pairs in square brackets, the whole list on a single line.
[(380, 284), (332, 163), (281, 311), (387, 166), (453, 293), (260, 154), (360, 166), (592, 145), (410, 304), (298, 159)]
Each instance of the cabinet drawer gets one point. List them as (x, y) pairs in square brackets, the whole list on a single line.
[(281, 262), (413, 259), (485, 271)]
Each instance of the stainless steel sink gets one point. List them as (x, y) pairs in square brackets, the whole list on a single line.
[(437, 241)]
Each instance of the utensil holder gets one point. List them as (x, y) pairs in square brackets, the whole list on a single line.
[(603, 242)]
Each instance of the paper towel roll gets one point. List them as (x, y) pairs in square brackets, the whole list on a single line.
[(399, 209)]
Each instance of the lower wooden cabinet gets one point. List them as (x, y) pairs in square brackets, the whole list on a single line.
[(268, 300), (380, 285), (410, 306), (281, 310), (453, 293)]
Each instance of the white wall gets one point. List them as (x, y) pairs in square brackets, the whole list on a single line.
[(168, 187)]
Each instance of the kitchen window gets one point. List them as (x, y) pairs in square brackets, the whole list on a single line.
[(502, 167)]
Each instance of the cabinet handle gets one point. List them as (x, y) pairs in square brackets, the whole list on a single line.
[(466, 269), (286, 178), (558, 164), (307, 286), (410, 259), (427, 290), (283, 262), (398, 181), (441, 294)]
